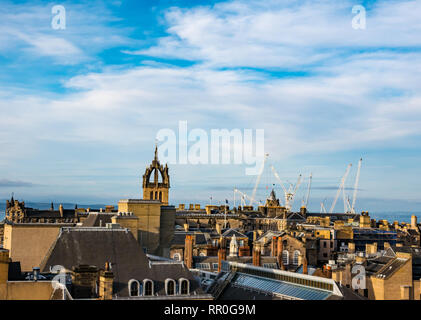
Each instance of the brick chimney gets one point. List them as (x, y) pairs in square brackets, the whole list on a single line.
[(280, 250), (106, 279), (305, 266), (222, 253), (273, 251), (256, 255), (188, 251), (329, 272)]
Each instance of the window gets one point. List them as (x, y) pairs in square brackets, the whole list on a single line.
[(134, 288), (215, 266), (295, 258), (185, 287), (160, 195), (151, 195), (148, 287), (156, 195), (324, 244), (170, 287), (176, 257), (202, 266), (285, 257)]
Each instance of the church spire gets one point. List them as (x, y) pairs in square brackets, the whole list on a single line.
[(156, 151)]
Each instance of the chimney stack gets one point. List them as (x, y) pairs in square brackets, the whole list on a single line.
[(61, 210), (106, 279), (256, 255), (414, 223), (188, 251), (273, 250), (222, 254), (305, 266)]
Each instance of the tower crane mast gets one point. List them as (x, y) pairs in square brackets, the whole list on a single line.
[(357, 180), (341, 186)]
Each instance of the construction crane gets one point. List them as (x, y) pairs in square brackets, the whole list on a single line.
[(291, 192), (341, 186), (253, 195), (308, 190), (357, 180), (322, 206), (245, 196)]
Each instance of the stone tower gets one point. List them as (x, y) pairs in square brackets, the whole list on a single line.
[(156, 189)]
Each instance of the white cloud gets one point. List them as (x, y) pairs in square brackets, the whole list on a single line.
[(349, 99), (284, 34), (26, 30)]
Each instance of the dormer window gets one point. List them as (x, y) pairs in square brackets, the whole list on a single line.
[(170, 287), (134, 288), (147, 287), (184, 286)]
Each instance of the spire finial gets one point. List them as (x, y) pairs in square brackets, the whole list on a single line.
[(156, 150)]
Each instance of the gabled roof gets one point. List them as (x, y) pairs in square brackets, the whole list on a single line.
[(295, 216), (270, 234), (232, 232)]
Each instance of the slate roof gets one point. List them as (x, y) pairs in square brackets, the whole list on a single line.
[(35, 213), (76, 246), (96, 246), (160, 271), (391, 268), (97, 219), (180, 238)]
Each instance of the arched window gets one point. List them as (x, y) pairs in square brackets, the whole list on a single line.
[(184, 286), (170, 287), (176, 256), (148, 287), (285, 257), (156, 195), (160, 195), (134, 288), (295, 258), (151, 195)]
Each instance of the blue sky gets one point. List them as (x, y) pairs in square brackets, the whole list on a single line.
[(80, 107)]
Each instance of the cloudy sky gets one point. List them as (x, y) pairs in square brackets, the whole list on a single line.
[(81, 107)]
